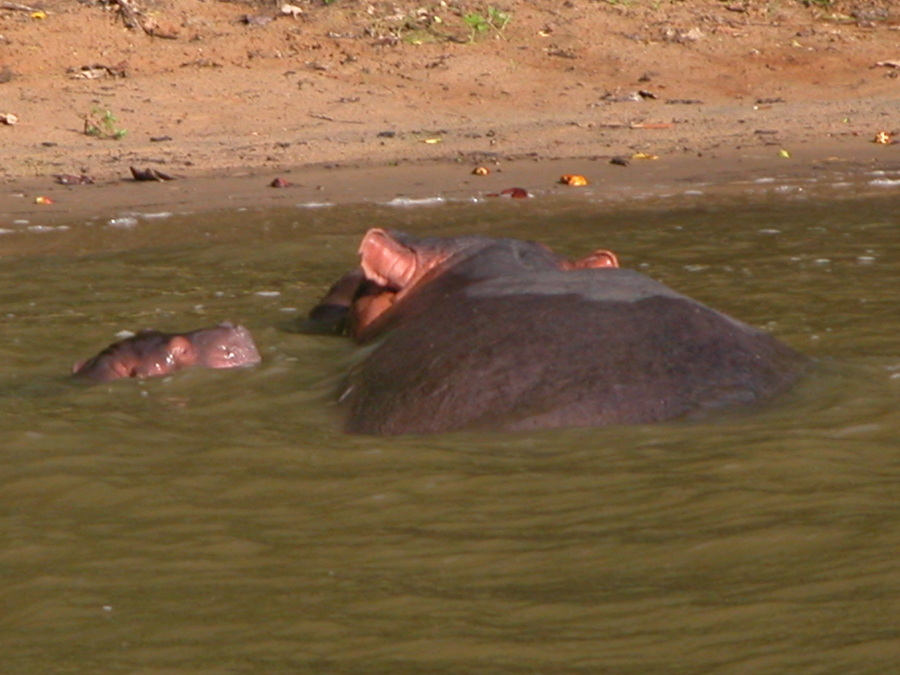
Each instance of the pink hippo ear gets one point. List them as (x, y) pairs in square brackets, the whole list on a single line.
[(387, 262), (181, 352), (599, 258)]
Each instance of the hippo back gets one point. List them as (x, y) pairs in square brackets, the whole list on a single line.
[(551, 348)]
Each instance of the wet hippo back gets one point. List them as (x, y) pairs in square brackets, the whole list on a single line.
[(547, 348)]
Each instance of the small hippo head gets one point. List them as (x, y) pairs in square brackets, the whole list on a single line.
[(151, 353), (224, 346)]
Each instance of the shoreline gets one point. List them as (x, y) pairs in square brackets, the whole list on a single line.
[(355, 103), (444, 178)]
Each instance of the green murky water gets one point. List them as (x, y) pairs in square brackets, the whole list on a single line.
[(220, 522)]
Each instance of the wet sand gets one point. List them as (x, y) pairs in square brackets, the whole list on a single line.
[(423, 180)]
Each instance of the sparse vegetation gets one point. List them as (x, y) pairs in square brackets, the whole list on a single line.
[(103, 124), (444, 21), (492, 19)]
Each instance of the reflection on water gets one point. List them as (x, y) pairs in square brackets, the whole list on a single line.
[(219, 522)]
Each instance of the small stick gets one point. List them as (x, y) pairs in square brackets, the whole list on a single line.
[(16, 7), (331, 119)]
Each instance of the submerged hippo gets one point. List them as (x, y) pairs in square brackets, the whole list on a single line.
[(504, 334), (151, 353), (358, 298)]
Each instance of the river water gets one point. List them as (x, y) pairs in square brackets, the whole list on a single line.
[(220, 522)]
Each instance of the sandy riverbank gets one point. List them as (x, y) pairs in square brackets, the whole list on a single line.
[(356, 101)]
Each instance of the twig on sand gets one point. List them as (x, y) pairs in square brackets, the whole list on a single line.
[(129, 13), (133, 17), (331, 119), (16, 7)]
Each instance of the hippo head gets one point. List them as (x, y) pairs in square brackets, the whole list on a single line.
[(151, 353), (224, 346)]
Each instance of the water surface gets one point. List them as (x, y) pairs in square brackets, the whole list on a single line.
[(220, 522)]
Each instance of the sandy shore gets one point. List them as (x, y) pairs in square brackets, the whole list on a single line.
[(821, 163), (349, 103)]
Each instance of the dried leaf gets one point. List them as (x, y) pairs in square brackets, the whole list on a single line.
[(573, 179), (291, 10), (150, 175), (71, 179)]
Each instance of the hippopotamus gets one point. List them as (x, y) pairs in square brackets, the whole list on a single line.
[(359, 297), (151, 353), (476, 332)]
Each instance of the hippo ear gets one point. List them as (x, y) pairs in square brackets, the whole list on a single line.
[(181, 351), (599, 258), (385, 261)]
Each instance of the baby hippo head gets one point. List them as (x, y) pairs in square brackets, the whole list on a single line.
[(151, 353), (223, 346)]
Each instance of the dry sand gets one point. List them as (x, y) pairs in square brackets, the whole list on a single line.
[(352, 101)]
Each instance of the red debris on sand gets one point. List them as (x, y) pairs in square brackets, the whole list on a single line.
[(512, 193)]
